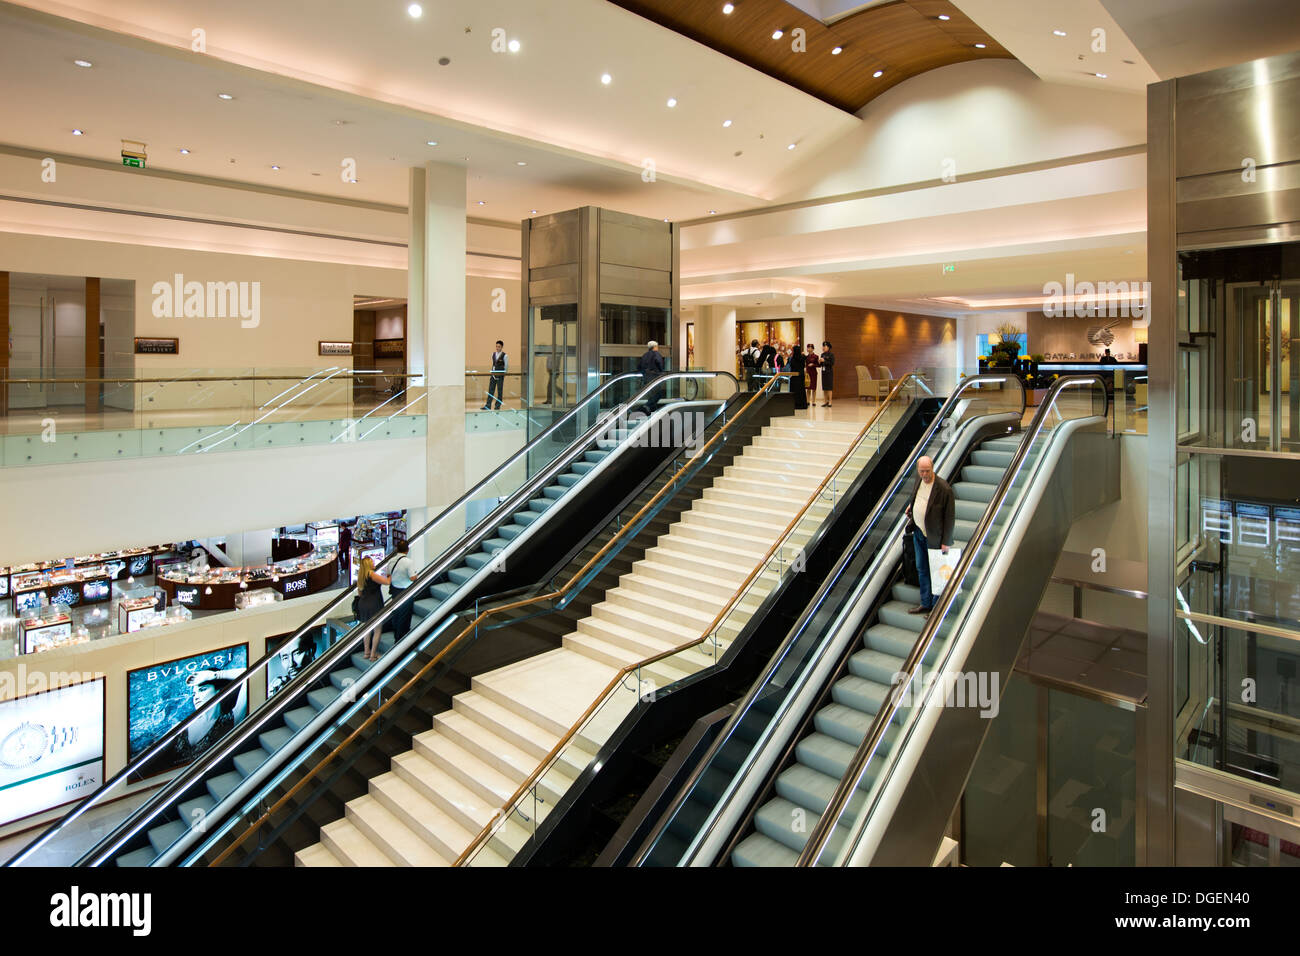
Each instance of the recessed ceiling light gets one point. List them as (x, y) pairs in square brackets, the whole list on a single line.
[(84, 64), (432, 142), (791, 146), (520, 162), (274, 166), (713, 212), (979, 46), (352, 180), (726, 123), (672, 101), (1100, 76), (878, 74), (1058, 33), (665, 220), (944, 16), (533, 212), (77, 132), (513, 46), (726, 8), (836, 51), (224, 96), (777, 34), (184, 151), (482, 202), (415, 10), (606, 79)]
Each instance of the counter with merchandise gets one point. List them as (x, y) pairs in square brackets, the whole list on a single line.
[(68, 586), (215, 589)]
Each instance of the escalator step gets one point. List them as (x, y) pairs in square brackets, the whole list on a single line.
[(299, 718), (554, 491), (493, 545), (525, 518), (875, 666), (460, 575), (142, 857), (540, 504), (160, 838), (896, 615), (813, 790), (758, 849), (322, 697), (568, 479), (192, 811), (992, 458), (247, 762), (509, 531), (909, 594), (582, 467), (345, 677), (478, 560), (273, 740), (968, 510), (596, 456), (864, 695), (1009, 443), (982, 474), (220, 787)]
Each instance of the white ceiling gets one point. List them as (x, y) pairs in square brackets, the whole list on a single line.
[(363, 81)]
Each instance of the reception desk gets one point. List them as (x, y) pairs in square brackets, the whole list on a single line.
[(215, 590)]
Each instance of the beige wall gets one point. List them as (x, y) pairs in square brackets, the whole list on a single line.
[(483, 326)]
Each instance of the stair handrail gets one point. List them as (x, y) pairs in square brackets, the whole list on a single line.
[(778, 656), (629, 529), (617, 680), (820, 835), (320, 617)]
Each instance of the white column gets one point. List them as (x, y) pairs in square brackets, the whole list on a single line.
[(436, 313)]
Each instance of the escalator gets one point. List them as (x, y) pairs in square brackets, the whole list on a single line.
[(552, 496), (840, 705)]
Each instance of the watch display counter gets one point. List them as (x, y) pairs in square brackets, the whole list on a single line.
[(49, 627), (217, 588), (71, 587), (138, 606)]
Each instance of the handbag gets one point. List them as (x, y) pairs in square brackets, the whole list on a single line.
[(942, 567)]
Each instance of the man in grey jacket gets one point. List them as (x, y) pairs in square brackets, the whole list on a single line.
[(934, 512)]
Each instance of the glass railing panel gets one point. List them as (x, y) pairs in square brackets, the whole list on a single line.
[(1077, 399)]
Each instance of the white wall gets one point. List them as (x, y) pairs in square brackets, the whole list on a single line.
[(715, 328), (980, 323)]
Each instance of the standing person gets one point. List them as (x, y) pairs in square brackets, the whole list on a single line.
[(796, 378), (497, 379), (651, 366), (828, 374), (1107, 359), (749, 363), (933, 502), (811, 362), (368, 601), (766, 359), (400, 577)]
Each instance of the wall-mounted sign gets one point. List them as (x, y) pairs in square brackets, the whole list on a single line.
[(148, 346), (335, 348), (390, 348)]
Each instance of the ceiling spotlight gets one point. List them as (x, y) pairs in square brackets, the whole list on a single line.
[(482, 202), (836, 51), (665, 220), (224, 96), (274, 166), (85, 64), (520, 162), (791, 146), (77, 132), (777, 34), (415, 10), (1100, 76), (606, 79), (431, 142), (208, 589), (672, 101), (727, 8), (944, 16), (184, 151), (878, 74), (1058, 33), (352, 180), (726, 123), (713, 212), (513, 46), (532, 212), (979, 46)]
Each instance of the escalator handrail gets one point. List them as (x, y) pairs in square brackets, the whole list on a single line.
[(320, 617), (778, 656), (820, 835), (628, 529), (617, 680)]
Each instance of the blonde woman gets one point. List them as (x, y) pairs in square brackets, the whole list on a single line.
[(369, 600)]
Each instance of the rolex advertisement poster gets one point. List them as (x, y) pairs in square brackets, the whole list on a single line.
[(161, 696), (51, 749)]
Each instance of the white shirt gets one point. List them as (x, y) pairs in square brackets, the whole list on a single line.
[(921, 503), (401, 575)]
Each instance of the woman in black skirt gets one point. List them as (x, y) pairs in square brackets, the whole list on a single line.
[(828, 373), (797, 387)]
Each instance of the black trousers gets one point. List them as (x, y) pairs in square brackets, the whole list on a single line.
[(496, 384)]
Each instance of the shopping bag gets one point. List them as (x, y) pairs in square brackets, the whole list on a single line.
[(941, 568)]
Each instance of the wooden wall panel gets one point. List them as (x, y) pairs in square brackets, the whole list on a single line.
[(874, 337)]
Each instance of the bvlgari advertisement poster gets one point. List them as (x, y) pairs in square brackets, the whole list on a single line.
[(51, 749), (161, 696)]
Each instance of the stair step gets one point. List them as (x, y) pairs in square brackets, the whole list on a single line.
[(390, 835), (344, 839)]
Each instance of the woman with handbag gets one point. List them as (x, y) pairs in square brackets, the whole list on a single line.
[(368, 602)]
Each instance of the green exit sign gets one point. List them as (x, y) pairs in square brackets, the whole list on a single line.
[(135, 162), (949, 267)]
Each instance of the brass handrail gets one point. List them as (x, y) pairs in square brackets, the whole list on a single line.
[(473, 625), (759, 568)]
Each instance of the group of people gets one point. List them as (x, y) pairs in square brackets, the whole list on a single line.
[(805, 367), (370, 598)]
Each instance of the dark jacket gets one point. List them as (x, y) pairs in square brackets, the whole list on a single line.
[(940, 513), (767, 356), (796, 362), (651, 365)]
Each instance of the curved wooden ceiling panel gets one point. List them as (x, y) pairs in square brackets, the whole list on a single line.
[(902, 39)]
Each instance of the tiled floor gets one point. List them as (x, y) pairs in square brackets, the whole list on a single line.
[(79, 837)]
